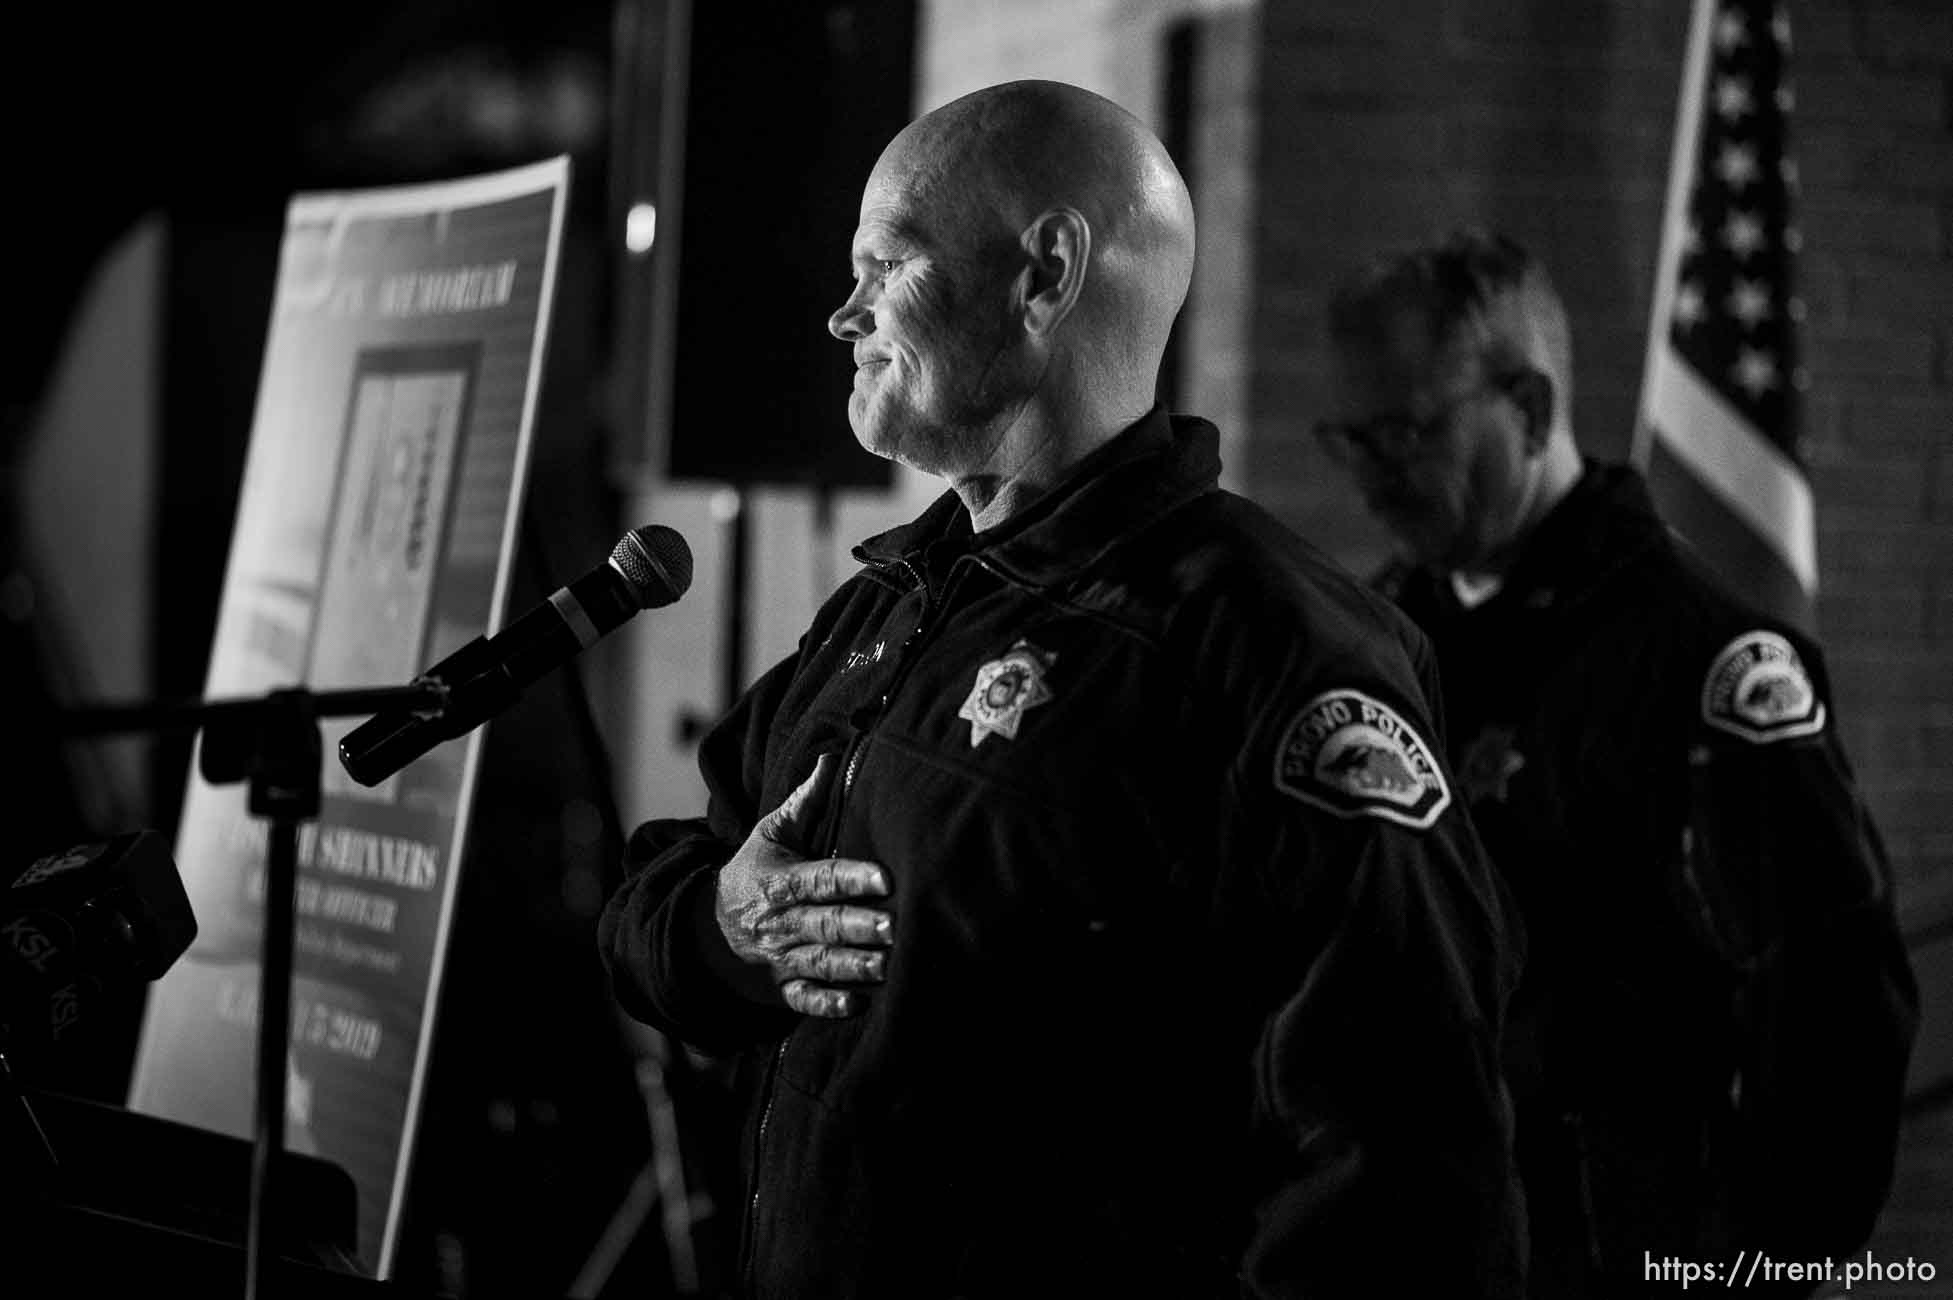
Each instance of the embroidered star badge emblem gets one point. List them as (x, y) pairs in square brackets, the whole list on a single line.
[(1004, 689), (1489, 765)]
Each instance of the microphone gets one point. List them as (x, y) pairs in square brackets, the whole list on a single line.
[(78, 923), (648, 568)]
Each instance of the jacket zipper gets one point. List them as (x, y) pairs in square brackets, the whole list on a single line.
[(759, 1143), (847, 784), (904, 662), (857, 746)]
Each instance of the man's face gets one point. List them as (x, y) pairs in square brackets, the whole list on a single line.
[(1437, 447), (938, 367)]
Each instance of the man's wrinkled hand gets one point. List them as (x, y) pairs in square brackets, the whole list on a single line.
[(800, 917)]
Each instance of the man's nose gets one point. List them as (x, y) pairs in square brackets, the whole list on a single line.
[(1376, 452), (1364, 462), (847, 323)]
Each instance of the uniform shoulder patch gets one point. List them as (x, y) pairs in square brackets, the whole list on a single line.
[(1758, 689), (1354, 756)]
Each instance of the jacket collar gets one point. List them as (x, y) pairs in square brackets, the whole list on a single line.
[(1605, 522), (1150, 468)]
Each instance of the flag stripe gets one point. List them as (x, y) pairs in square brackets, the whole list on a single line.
[(1716, 533), (1681, 177), (1753, 479)]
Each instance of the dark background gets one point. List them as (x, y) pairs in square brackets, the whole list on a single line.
[(1326, 130), (533, 1124)]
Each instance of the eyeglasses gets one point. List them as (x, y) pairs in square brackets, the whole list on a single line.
[(1398, 437)]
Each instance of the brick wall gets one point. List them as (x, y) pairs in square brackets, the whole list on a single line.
[(1384, 121), (1875, 119)]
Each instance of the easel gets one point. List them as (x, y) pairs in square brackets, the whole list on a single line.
[(661, 1182), (272, 742)]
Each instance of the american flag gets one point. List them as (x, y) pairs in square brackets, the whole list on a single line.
[(1718, 428)]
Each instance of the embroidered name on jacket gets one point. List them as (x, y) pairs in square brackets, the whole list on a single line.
[(1353, 756), (1757, 688), (1004, 689), (862, 658)]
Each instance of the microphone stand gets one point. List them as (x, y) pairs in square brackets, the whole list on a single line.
[(273, 742)]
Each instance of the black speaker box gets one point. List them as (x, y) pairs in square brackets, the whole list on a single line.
[(789, 106), (100, 1200)]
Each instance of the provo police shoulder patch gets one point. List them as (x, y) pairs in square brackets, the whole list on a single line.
[(1354, 756), (1758, 689)]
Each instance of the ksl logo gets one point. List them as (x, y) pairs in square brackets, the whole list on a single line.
[(31, 943), (64, 1009)]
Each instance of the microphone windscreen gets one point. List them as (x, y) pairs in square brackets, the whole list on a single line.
[(657, 563)]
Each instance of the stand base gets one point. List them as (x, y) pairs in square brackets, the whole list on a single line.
[(77, 1250), (137, 1201)]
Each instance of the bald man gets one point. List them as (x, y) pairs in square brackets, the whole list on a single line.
[(1087, 899)]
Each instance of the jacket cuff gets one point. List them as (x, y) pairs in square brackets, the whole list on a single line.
[(712, 958)]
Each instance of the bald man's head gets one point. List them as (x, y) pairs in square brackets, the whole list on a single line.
[(1046, 243), (1024, 147), (1013, 151)]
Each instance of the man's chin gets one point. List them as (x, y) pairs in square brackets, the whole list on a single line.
[(863, 420), (874, 436), (1412, 536)]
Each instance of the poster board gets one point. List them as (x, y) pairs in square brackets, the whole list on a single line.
[(375, 533)]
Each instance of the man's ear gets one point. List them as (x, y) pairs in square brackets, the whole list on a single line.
[(1057, 247), (1532, 392)]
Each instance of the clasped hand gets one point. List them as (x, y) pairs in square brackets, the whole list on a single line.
[(799, 916)]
